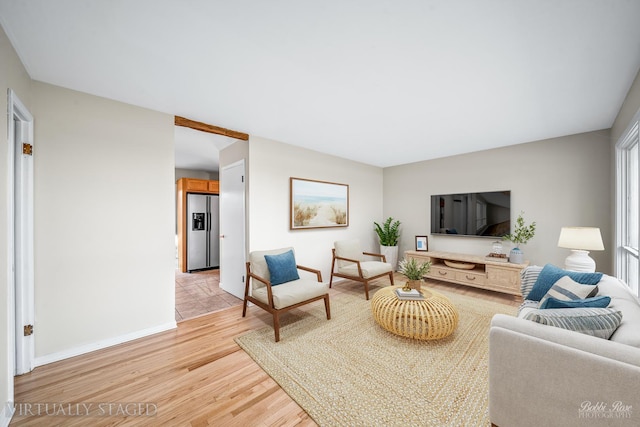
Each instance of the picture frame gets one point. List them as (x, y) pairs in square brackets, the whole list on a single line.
[(317, 204), (422, 243)]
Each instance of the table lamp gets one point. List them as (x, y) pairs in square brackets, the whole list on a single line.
[(580, 240)]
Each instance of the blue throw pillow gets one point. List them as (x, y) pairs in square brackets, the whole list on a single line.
[(601, 301), (282, 267), (550, 275)]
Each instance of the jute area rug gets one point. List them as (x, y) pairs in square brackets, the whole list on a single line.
[(348, 371)]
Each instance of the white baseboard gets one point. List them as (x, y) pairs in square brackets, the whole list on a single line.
[(5, 419), (72, 352)]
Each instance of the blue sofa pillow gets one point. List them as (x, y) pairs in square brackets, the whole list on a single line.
[(600, 301), (550, 274), (282, 267)]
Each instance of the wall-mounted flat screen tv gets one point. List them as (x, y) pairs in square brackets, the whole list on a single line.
[(485, 214)]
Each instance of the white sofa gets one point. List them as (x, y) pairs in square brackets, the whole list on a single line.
[(545, 375)]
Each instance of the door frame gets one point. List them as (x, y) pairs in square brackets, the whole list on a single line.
[(20, 265)]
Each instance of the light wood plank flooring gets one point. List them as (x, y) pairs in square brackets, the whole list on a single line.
[(195, 375)]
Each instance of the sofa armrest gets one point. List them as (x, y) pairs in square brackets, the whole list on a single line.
[(542, 375)]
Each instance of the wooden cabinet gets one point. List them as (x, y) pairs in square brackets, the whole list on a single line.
[(486, 274), (186, 186)]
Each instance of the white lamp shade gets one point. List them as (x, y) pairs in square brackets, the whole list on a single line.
[(583, 238)]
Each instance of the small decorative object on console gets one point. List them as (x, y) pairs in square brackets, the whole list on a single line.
[(520, 236), (497, 257), (415, 271)]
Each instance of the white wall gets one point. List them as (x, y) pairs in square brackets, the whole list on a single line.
[(12, 75), (272, 164), (190, 173), (557, 182), (104, 222), (629, 109)]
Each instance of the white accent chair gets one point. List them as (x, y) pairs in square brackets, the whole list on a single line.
[(351, 264), (281, 298)]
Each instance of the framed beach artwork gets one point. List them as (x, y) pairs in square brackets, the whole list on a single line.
[(422, 243), (318, 204)]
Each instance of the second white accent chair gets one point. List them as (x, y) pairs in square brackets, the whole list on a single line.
[(350, 262)]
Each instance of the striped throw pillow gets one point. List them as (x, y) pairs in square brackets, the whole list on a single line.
[(597, 322), (566, 289), (528, 278)]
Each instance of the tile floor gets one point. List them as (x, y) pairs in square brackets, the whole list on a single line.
[(199, 293)]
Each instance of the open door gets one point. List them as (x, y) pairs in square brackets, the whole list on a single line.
[(20, 262), (232, 229)]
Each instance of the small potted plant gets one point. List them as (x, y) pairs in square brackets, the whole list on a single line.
[(521, 235), (389, 233), (414, 271)]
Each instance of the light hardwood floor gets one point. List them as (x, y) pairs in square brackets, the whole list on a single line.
[(195, 375)]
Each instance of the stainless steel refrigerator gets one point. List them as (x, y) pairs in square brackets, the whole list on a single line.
[(203, 229)]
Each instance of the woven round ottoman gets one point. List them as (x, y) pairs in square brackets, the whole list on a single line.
[(432, 318)]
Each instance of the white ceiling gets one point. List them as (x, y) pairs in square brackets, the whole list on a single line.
[(379, 81), (199, 150)]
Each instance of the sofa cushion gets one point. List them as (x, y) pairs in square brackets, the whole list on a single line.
[(282, 267), (348, 249), (622, 299), (599, 301), (598, 322), (369, 269), (290, 293), (550, 275), (566, 289)]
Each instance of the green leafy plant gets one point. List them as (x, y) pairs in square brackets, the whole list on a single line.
[(389, 232), (412, 269), (521, 233)]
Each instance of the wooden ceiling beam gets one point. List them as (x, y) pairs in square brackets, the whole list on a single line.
[(204, 127)]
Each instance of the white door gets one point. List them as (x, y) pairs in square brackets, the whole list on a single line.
[(232, 229), (20, 262)]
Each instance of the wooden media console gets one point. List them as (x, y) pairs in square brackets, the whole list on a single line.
[(486, 274)]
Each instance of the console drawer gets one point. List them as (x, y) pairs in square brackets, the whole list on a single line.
[(471, 277), (443, 273)]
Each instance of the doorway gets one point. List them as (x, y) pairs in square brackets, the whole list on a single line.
[(20, 240), (197, 156)]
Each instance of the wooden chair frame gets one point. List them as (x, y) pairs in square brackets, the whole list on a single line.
[(359, 277), (276, 312)]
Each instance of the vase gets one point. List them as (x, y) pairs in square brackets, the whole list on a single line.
[(412, 284), (516, 256), (391, 255)]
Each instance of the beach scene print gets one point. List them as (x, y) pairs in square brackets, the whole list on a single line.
[(318, 204)]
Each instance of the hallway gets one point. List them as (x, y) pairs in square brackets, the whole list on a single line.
[(199, 293)]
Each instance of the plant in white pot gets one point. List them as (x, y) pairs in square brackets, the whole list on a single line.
[(389, 233), (521, 235)]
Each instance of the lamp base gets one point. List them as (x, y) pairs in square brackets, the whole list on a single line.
[(580, 260)]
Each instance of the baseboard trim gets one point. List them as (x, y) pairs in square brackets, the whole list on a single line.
[(99, 345), (5, 419)]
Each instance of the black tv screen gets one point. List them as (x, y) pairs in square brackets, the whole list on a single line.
[(485, 214)]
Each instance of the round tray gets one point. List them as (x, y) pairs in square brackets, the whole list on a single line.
[(460, 265)]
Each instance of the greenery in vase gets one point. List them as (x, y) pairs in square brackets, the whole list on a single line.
[(389, 232), (414, 270), (521, 233)]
